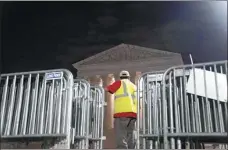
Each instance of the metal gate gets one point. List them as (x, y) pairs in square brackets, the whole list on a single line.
[(80, 114), (36, 106), (96, 117), (149, 124), (194, 101), (88, 116), (183, 107)]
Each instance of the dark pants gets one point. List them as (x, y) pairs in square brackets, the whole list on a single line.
[(125, 133)]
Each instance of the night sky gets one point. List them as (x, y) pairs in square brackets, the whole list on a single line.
[(47, 35)]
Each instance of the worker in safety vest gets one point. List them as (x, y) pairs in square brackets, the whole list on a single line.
[(125, 110)]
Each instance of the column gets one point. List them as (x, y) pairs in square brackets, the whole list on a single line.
[(109, 98), (95, 80), (108, 116), (138, 74), (132, 77), (99, 80)]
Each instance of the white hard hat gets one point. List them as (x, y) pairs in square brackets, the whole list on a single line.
[(124, 73)]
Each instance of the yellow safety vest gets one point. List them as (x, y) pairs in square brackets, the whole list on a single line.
[(125, 98)]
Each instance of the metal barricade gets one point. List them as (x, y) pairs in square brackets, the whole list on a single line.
[(96, 117), (87, 116), (149, 121), (80, 114), (36, 106), (194, 99)]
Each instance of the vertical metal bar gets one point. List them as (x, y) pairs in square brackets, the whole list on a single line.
[(187, 107), (50, 111), (42, 106), (196, 116), (149, 106), (144, 112), (68, 108), (226, 104), (171, 110), (223, 109), (19, 105), (34, 108), (182, 104), (11, 107), (102, 117), (198, 113), (55, 104), (31, 109), (199, 116), (25, 112), (38, 116), (3, 104), (176, 108), (156, 119), (65, 109), (214, 113), (92, 118), (219, 112), (152, 113), (81, 124), (74, 114), (164, 107), (97, 112), (204, 126), (208, 122), (160, 123), (193, 122), (59, 104), (47, 106), (194, 100), (99, 106), (139, 119), (186, 103), (77, 103), (88, 115)]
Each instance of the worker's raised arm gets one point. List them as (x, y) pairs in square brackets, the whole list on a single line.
[(113, 87)]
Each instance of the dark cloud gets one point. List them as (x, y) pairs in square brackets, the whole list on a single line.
[(80, 30), (107, 21)]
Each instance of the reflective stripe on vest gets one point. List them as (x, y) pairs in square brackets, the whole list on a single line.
[(125, 93)]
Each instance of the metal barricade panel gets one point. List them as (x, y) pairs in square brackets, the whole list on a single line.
[(177, 112), (87, 116), (149, 121), (192, 113), (36, 104), (96, 117), (80, 114)]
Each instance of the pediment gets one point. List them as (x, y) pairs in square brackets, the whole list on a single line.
[(124, 52)]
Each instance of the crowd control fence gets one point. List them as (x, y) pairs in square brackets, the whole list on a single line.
[(149, 124), (37, 106), (80, 116), (184, 107), (96, 118), (87, 116)]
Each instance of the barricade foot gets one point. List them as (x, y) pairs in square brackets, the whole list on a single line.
[(14, 145), (55, 144)]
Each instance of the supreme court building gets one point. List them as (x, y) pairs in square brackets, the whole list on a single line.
[(103, 68)]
